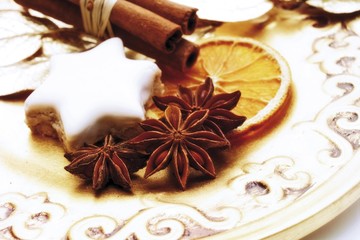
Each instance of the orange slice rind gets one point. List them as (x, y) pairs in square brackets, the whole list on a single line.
[(234, 63)]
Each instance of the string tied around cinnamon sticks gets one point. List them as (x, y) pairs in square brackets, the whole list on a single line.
[(96, 17), (153, 28)]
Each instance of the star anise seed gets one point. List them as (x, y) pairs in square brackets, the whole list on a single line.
[(219, 105), (181, 142), (103, 163)]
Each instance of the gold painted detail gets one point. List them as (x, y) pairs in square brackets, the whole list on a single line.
[(338, 122), (168, 221), (266, 186), (339, 53), (271, 181), (345, 121), (338, 56), (23, 217)]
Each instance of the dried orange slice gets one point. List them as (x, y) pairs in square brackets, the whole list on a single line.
[(257, 70)]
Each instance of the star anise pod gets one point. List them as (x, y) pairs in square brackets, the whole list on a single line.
[(219, 105), (183, 143), (109, 161)]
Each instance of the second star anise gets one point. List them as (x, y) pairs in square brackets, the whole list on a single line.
[(219, 105), (109, 161), (183, 143)]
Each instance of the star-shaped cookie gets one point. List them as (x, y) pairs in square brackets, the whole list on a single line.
[(90, 94)]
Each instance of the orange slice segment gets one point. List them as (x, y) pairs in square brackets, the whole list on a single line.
[(257, 70)]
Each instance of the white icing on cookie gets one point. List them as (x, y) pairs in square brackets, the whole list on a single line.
[(89, 94)]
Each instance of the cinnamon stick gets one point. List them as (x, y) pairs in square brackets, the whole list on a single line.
[(159, 32), (58, 9), (180, 14), (146, 25), (183, 56)]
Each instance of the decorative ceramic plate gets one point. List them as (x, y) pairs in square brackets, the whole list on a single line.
[(281, 184)]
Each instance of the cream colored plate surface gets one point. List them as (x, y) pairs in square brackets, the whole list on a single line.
[(281, 184)]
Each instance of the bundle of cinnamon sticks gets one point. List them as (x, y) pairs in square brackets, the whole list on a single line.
[(154, 28)]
